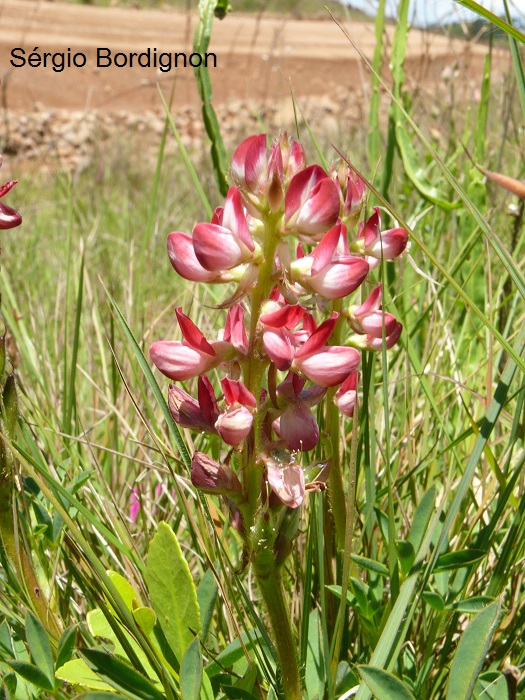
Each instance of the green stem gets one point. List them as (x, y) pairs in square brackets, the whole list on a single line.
[(272, 591), (256, 367)]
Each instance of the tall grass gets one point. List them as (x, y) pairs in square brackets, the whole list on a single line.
[(433, 602)]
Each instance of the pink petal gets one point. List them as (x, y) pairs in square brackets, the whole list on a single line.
[(192, 334), (255, 164), (236, 392), (182, 257), (186, 411), (340, 278), (179, 361), (217, 248), (300, 187), (207, 400), (211, 477), (330, 366), (279, 347), (288, 316), (233, 426), (287, 484), (298, 427), (324, 251), (234, 330), (318, 338), (371, 304), (9, 218), (234, 218)]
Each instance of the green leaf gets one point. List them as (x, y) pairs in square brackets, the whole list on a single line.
[(6, 643), (77, 672), (121, 674), (124, 587), (99, 626), (456, 560), (470, 654), (99, 696), (172, 591), (471, 605), (207, 596), (145, 618), (422, 518), (66, 646), (39, 646), (434, 600), (416, 174), (406, 555), (384, 685), (8, 686), (370, 564), (31, 673), (314, 672), (233, 652), (191, 671)]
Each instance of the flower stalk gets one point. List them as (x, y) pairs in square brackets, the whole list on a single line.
[(291, 341)]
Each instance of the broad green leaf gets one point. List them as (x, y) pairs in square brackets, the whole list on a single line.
[(471, 605), (456, 560), (66, 646), (172, 591), (121, 674), (191, 671), (77, 672), (384, 685), (145, 618), (31, 673), (39, 646), (207, 596), (470, 654), (125, 589), (99, 627), (314, 672)]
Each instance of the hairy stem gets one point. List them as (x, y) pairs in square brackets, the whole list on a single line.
[(272, 591)]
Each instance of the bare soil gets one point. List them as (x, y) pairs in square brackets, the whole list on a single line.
[(260, 62)]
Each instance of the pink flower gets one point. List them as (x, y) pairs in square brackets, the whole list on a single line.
[(352, 193), (235, 424), (369, 318), (9, 218), (327, 272), (297, 425), (312, 202), (211, 477), (193, 356), (345, 396), (188, 412), (261, 174), (182, 256), (134, 504), (326, 365), (287, 483), (228, 244), (387, 244)]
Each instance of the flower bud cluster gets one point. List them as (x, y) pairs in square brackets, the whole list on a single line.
[(284, 239)]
